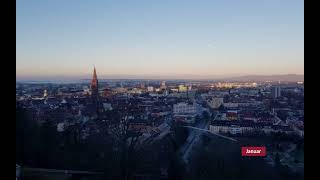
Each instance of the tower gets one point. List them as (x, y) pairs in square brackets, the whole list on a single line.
[(94, 84), (95, 92)]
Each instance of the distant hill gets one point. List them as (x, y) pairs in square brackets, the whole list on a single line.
[(284, 78)]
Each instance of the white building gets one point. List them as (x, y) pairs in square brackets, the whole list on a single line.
[(135, 91), (276, 91), (185, 108), (150, 89), (219, 129), (232, 129), (174, 90), (243, 129), (235, 129)]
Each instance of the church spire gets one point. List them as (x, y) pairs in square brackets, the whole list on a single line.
[(94, 72), (95, 91), (94, 82)]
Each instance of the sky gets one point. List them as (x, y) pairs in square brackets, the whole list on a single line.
[(66, 38)]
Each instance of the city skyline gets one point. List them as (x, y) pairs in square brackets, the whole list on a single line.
[(247, 78), (158, 39)]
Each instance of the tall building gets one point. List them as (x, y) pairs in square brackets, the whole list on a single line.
[(185, 108), (94, 84), (95, 92), (275, 92)]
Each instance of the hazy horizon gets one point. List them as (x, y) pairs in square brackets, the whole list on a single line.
[(154, 77), (159, 38)]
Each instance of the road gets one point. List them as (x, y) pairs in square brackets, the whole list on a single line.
[(194, 137), (208, 131)]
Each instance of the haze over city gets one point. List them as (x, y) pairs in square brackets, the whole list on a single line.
[(158, 39)]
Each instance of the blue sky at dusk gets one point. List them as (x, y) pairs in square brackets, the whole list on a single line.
[(159, 37)]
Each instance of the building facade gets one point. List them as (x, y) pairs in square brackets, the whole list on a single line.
[(185, 108), (275, 92)]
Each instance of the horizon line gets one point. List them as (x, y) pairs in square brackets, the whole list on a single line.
[(145, 77)]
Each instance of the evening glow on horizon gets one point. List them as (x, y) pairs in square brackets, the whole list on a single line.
[(159, 37)]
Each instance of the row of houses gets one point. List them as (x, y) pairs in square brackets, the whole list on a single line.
[(245, 127)]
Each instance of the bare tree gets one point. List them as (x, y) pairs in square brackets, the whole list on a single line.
[(126, 141)]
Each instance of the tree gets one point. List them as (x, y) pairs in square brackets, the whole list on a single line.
[(176, 168), (126, 141), (27, 138), (49, 143), (180, 134), (205, 115)]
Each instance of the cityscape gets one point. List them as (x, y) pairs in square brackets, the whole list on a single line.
[(149, 115), (159, 90)]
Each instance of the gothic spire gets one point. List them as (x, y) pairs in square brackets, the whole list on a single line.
[(94, 82)]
